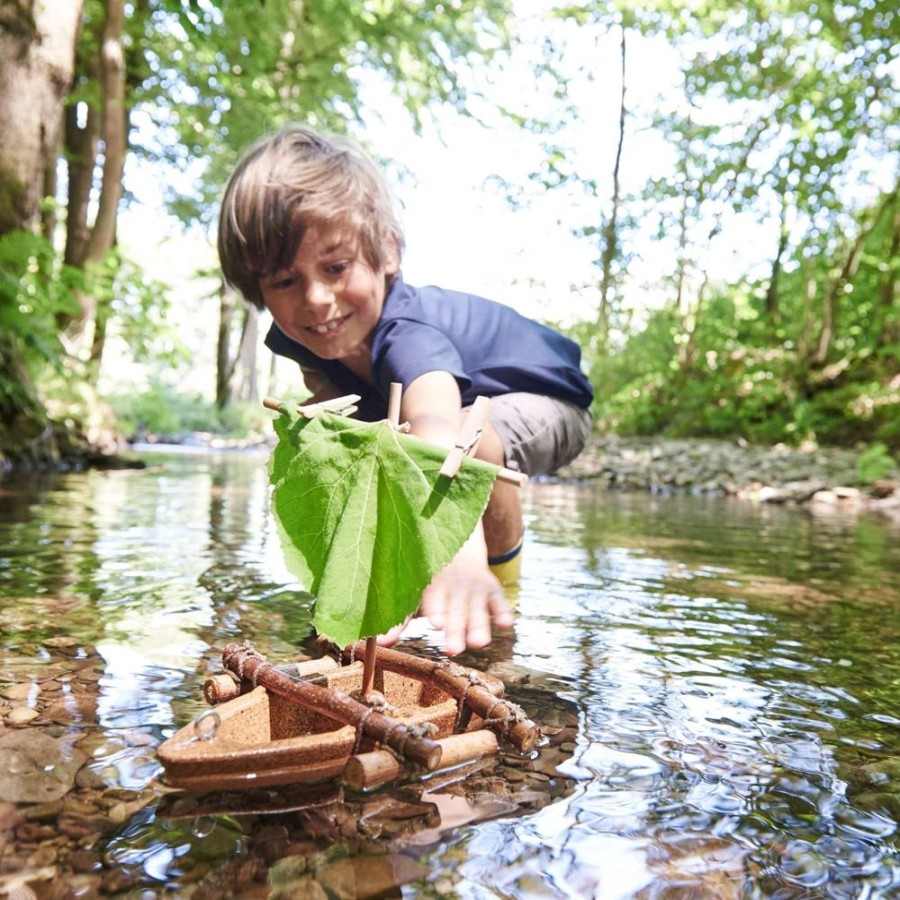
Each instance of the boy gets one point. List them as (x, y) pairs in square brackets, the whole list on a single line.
[(308, 230)]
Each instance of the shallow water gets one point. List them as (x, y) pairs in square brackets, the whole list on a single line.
[(720, 683)]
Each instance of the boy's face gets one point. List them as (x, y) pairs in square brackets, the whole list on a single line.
[(329, 299)]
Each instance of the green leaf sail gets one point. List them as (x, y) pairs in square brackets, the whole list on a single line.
[(366, 519)]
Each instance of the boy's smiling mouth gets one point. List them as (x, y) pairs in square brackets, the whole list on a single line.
[(330, 326)]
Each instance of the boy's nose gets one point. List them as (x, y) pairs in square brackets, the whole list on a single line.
[(317, 294)]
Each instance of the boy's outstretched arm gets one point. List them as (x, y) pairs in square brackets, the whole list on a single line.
[(465, 596)]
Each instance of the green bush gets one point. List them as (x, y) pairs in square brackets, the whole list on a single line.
[(874, 462), (161, 410)]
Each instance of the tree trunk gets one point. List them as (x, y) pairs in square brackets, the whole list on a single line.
[(247, 389), (82, 142), (835, 286), (112, 79), (611, 229), (773, 316), (37, 57), (88, 130), (224, 362), (890, 321)]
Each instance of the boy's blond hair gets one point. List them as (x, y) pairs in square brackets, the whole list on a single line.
[(289, 181)]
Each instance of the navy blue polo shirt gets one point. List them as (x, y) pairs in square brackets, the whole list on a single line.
[(488, 347)]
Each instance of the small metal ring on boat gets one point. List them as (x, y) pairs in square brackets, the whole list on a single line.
[(207, 724)]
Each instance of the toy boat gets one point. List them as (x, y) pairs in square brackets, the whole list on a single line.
[(308, 722)]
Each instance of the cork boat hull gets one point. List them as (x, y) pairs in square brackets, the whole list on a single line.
[(259, 739)]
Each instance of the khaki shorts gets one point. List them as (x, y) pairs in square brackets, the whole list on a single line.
[(539, 434)]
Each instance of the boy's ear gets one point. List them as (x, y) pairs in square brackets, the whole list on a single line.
[(391, 257)]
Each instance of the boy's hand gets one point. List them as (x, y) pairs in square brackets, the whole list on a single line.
[(464, 597), (462, 600)]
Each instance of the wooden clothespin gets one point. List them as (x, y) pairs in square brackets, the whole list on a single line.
[(340, 406), (468, 437), (467, 442)]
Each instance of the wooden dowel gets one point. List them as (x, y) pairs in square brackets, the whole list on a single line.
[(366, 770), (220, 688), (248, 665), (394, 404), (519, 479), (368, 682), (465, 685)]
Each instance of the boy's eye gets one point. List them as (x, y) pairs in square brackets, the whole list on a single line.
[(338, 268), (280, 284)]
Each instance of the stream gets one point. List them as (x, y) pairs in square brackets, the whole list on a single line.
[(718, 682)]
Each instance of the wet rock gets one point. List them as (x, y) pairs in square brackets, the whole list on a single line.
[(74, 706), (38, 767), (44, 812), (21, 692), (88, 778), (121, 812), (84, 861), (19, 884), (76, 806), (21, 715), (790, 492), (45, 855), (32, 832), (10, 817)]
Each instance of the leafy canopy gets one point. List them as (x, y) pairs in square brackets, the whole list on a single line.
[(366, 519)]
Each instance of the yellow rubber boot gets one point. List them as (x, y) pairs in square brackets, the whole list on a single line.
[(507, 566)]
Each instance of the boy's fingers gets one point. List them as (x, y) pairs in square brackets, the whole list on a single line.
[(478, 633), (469, 620), (465, 613), (391, 637), (434, 605)]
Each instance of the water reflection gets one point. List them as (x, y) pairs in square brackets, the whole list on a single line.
[(722, 681)]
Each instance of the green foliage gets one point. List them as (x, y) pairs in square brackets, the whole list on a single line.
[(214, 90), (737, 380), (140, 306), (366, 518), (35, 287), (875, 462), (161, 410)]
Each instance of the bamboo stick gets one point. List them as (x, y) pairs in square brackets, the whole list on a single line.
[(466, 685), (247, 664), (366, 770)]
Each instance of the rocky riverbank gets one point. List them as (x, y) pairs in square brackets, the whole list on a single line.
[(825, 478)]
